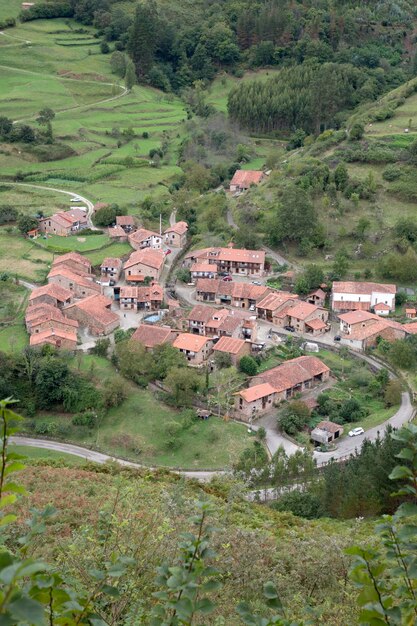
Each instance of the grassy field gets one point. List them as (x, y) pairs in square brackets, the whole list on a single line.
[(40, 453), (75, 242), (137, 429), (13, 299), (10, 8), (13, 338), (30, 201), (22, 257)]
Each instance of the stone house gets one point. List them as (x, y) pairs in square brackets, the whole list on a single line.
[(117, 233), (143, 238), (50, 294), (308, 318), (64, 223), (203, 270), (80, 286), (230, 260), (55, 337), (144, 263), (176, 235), (94, 313), (361, 329), (255, 401), (274, 306), (244, 179), (326, 432), (361, 296), (75, 262), (235, 347), (111, 269), (196, 348), (135, 298), (151, 336), (126, 222)]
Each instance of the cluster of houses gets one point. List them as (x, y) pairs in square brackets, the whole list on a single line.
[(71, 298)]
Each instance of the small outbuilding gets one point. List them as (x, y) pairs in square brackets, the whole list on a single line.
[(326, 432)]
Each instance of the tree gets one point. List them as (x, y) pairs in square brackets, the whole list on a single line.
[(392, 395), (341, 176), (357, 131), (134, 362), (362, 226), (106, 216), (130, 75), (45, 118), (340, 265), (166, 357), (101, 347), (6, 126), (295, 219), (403, 354), (222, 360), (311, 278), (294, 417), (143, 38), (248, 365), (118, 63), (184, 383), (25, 223), (104, 47), (296, 140)]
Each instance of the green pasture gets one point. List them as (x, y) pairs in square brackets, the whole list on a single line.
[(10, 8), (74, 242), (22, 257), (26, 201), (113, 250), (32, 453), (13, 338)]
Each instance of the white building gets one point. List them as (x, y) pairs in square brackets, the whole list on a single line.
[(361, 296)]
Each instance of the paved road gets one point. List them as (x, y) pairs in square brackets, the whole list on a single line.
[(72, 194), (98, 457)]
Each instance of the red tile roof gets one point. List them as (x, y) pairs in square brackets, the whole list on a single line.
[(77, 279), (180, 228), (257, 392), (302, 310), (116, 231), (381, 306), (230, 345), (55, 291), (203, 267), (362, 287), (97, 307), (190, 342), (201, 313), (141, 235), (316, 324), (72, 256), (149, 257), (246, 178), (293, 372), (351, 306), (357, 317), (275, 299), (411, 328), (151, 336), (331, 427), (228, 255), (112, 262), (52, 335), (125, 220)]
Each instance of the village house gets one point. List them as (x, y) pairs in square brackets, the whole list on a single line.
[(410, 313), (56, 337), (50, 294), (143, 238), (117, 233), (126, 222), (255, 401), (64, 223), (94, 313), (235, 347), (196, 348), (205, 320), (176, 235), (144, 263), (280, 383), (362, 296), (360, 330), (151, 336), (80, 286), (244, 179), (308, 318), (274, 306), (148, 297), (230, 260), (75, 262), (317, 297), (232, 293), (203, 270), (50, 320), (326, 432), (111, 269)]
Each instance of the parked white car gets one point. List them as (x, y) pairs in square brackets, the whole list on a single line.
[(356, 431)]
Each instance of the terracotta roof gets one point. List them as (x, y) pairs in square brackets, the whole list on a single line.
[(39, 310), (55, 316), (116, 231), (331, 427), (97, 307), (246, 178), (293, 372), (274, 300), (319, 293), (302, 310), (55, 291), (68, 218), (52, 335), (316, 324), (151, 336), (143, 294), (135, 278), (149, 257), (362, 287), (411, 328), (77, 279), (142, 234), (351, 306), (356, 317), (201, 313), (78, 215), (379, 325), (125, 220), (381, 306), (180, 228), (72, 256), (112, 262), (257, 392), (228, 254), (207, 285), (411, 311), (188, 341), (230, 345)]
